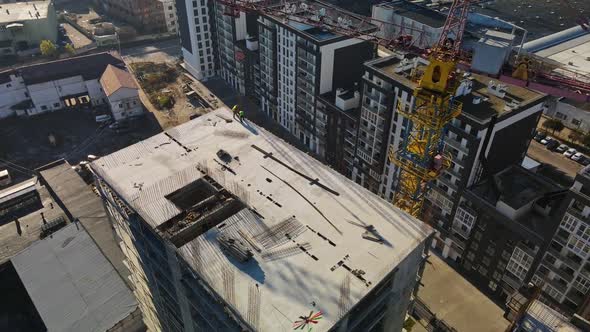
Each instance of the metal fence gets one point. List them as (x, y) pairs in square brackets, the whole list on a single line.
[(421, 312)]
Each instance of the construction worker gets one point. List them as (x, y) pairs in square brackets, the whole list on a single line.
[(235, 110), (241, 116)]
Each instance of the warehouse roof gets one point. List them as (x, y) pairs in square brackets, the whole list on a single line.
[(177, 179), (72, 285), (88, 66), (23, 11)]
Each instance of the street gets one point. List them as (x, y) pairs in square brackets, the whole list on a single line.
[(159, 51)]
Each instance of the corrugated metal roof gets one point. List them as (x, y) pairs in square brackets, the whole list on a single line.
[(72, 285)]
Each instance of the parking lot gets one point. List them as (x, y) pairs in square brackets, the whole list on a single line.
[(559, 163), (25, 143)]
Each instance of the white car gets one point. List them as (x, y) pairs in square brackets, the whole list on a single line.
[(546, 140), (570, 152), (577, 156)]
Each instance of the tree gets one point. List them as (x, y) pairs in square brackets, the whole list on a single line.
[(575, 136), (48, 48), (586, 140), (554, 125), (70, 49)]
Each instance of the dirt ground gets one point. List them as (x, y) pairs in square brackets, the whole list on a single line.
[(183, 108)]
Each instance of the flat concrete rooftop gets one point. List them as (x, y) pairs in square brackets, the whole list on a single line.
[(307, 16), (23, 11), (491, 104), (283, 191)]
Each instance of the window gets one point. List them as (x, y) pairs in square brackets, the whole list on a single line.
[(8, 85), (582, 284), (569, 222), (554, 293), (560, 115), (43, 107), (492, 285), (576, 122), (120, 105), (519, 263), (56, 105)]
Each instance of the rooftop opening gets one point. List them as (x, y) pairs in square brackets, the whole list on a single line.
[(204, 204)]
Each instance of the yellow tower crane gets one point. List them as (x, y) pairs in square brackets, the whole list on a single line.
[(421, 157)]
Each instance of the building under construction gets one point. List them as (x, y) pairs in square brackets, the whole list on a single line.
[(228, 228)]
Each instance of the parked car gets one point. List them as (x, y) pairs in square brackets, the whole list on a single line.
[(539, 136), (585, 161), (118, 125), (570, 152), (105, 118), (547, 139), (553, 145), (562, 148), (577, 156)]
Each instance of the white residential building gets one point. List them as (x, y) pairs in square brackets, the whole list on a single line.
[(122, 92), (170, 16), (72, 83), (197, 36)]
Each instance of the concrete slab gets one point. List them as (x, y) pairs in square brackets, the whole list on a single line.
[(453, 299)]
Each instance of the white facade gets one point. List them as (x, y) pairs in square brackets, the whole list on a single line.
[(125, 103), (286, 58), (199, 61), (574, 115), (12, 93), (49, 96), (170, 15), (423, 35)]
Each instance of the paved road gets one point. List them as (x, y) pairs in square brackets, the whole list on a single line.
[(162, 51), (456, 301)]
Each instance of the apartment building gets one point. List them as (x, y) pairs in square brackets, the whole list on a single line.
[(497, 120), (144, 15), (196, 23), (339, 135), (300, 62), (502, 228), (564, 272), (225, 229), (237, 49), (169, 8)]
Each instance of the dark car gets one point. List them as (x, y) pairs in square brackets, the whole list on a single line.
[(552, 145), (539, 136), (584, 161)]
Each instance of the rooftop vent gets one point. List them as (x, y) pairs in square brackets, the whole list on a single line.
[(476, 100)]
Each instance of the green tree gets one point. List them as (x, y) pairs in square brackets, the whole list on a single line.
[(70, 49), (553, 125), (575, 136), (48, 48)]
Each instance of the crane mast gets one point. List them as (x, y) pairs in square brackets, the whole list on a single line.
[(421, 157)]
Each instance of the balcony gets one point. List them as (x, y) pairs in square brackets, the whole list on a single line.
[(560, 272), (455, 144), (575, 296), (512, 282)]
